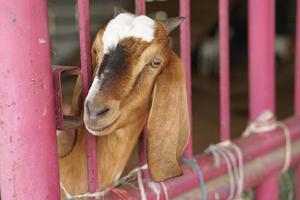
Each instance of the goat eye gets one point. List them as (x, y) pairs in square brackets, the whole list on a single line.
[(94, 51), (156, 63)]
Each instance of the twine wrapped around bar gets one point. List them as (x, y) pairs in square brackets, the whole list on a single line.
[(136, 172), (267, 122), (235, 166), (120, 192)]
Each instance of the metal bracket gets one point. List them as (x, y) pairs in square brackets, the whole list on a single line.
[(64, 122)]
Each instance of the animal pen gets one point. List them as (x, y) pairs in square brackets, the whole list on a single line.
[(29, 103)]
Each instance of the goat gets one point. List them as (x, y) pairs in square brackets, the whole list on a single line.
[(137, 78)]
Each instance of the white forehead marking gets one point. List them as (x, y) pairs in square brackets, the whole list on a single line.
[(95, 87), (127, 25)]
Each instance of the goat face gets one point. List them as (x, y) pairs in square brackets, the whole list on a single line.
[(137, 75), (131, 50)]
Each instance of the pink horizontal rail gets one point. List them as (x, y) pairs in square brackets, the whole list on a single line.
[(28, 153), (224, 70), (84, 37), (261, 76), (190, 180), (185, 52)]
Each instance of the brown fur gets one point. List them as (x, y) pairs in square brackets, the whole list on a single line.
[(167, 127)]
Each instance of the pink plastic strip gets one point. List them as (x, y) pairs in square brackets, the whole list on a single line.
[(185, 49), (28, 150), (261, 76), (297, 87), (224, 70), (84, 36)]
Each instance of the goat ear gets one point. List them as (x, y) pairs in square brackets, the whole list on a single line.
[(168, 123), (118, 11), (171, 23)]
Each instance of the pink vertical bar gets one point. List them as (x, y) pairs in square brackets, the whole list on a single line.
[(28, 153), (297, 87), (261, 76), (84, 36), (185, 49), (224, 70), (140, 9)]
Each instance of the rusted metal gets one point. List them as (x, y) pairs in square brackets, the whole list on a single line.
[(28, 151), (84, 39)]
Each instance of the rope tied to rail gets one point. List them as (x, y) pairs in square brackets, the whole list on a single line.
[(267, 122), (195, 165), (235, 166), (121, 193)]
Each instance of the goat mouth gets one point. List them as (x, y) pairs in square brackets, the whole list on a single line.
[(98, 131)]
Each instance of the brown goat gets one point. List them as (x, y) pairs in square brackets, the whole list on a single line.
[(137, 77)]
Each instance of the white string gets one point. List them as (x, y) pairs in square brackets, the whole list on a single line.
[(155, 188), (141, 185), (240, 182), (119, 182), (267, 122), (234, 166), (217, 152), (288, 146), (165, 190)]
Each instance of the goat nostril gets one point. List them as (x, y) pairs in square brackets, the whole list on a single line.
[(102, 111), (96, 111)]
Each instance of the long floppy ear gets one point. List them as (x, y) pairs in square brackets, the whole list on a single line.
[(168, 123)]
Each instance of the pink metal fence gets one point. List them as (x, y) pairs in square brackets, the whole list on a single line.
[(29, 165), (28, 152), (224, 70), (262, 73), (84, 36)]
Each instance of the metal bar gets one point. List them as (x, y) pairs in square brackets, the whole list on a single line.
[(29, 163), (185, 51), (261, 76), (224, 70), (140, 7), (84, 37), (259, 164), (64, 122), (297, 87)]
